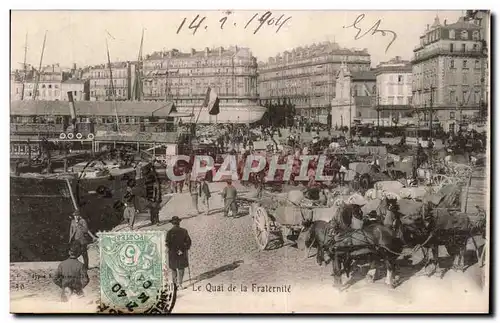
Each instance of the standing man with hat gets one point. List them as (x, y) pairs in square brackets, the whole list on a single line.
[(130, 204), (178, 243), (79, 233), (71, 275), (229, 195), (205, 194)]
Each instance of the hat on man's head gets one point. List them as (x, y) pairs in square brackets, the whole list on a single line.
[(175, 220), (75, 250)]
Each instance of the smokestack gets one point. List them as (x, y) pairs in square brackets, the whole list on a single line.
[(72, 109)]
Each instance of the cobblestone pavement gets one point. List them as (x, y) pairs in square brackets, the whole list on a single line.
[(224, 252)]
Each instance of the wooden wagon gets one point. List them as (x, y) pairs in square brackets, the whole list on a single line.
[(277, 219)]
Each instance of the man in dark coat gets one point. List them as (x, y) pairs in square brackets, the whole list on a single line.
[(130, 200), (79, 233), (205, 194), (178, 243), (229, 194), (71, 275)]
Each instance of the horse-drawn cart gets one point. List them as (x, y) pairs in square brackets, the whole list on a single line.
[(277, 217)]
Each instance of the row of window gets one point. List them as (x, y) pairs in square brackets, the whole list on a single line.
[(463, 48), (107, 82), (105, 74), (464, 34), (45, 93), (197, 63), (326, 69), (203, 71), (323, 58), (466, 98), (477, 64), (436, 34), (397, 100)]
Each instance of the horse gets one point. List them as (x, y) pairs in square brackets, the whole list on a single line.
[(372, 243), (453, 230), (366, 240), (318, 231), (422, 224)]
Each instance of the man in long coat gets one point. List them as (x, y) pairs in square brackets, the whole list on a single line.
[(229, 194), (130, 201), (178, 243), (71, 275), (80, 234)]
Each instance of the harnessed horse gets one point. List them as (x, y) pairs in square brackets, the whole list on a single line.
[(344, 245)]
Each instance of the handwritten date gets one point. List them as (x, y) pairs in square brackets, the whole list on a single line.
[(255, 23), (374, 30)]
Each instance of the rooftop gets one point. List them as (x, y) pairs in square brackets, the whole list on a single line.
[(210, 52), (363, 76), (74, 81), (462, 24), (102, 66), (315, 50)]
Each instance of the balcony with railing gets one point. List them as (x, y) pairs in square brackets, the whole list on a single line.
[(424, 55)]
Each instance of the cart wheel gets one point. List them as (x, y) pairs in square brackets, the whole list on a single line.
[(440, 180), (261, 227), (482, 257)]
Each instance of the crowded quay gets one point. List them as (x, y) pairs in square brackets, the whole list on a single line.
[(347, 213), (325, 178)]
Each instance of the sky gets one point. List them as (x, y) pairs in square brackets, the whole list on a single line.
[(80, 36)]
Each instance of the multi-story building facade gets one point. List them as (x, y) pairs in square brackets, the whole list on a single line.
[(79, 88), (354, 100), (306, 76), (185, 77), (99, 77), (53, 84), (16, 86), (44, 86), (481, 18), (394, 91), (448, 73)]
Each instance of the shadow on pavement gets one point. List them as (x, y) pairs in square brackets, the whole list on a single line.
[(215, 272)]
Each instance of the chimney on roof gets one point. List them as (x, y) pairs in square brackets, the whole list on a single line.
[(427, 29), (193, 51), (207, 50), (445, 22), (221, 50)]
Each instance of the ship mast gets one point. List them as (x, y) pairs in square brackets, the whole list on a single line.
[(39, 68), (138, 83), (112, 87), (24, 66)]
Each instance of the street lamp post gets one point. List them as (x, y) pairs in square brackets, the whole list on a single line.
[(431, 111), (350, 113)]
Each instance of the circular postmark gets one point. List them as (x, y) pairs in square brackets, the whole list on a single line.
[(132, 274), (163, 303)]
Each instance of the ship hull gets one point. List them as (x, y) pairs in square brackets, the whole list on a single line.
[(41, 210)]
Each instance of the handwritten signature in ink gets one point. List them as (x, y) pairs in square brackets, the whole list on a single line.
[(374, 30)]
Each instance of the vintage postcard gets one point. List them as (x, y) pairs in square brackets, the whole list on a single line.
[(250, 161)]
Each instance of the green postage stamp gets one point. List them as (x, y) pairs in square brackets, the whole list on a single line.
[(133, 273)]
